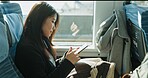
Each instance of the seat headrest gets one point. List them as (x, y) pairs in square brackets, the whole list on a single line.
[(8, 8)]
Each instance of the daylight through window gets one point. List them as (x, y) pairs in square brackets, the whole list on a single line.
[(76, 20)]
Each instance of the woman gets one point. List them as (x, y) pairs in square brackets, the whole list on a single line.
[(35, 56)]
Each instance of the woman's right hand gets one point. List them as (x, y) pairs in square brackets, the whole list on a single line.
[(71, 56)]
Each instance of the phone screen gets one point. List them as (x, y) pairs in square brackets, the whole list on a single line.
[(81, 48)]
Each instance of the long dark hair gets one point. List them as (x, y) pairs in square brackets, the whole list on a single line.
[(34, 22)]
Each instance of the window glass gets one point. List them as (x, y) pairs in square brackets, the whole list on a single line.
[(76, 20)]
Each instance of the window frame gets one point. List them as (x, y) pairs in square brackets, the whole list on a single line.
[(69, 41), (91, 50)]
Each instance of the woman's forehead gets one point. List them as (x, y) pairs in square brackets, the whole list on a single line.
[(54, 17)]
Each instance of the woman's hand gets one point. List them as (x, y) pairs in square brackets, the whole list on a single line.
[(71, 56)]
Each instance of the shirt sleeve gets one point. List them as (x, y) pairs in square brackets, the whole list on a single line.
[(59, 60), (62, 70)]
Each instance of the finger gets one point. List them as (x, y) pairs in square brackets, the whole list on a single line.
[(79, 58), (70, 49), (76, 49)]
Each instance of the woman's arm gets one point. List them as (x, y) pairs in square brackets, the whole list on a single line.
[(32, 65), (63, 69)]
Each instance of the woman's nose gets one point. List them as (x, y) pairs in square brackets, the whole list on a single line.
[(53, 27)]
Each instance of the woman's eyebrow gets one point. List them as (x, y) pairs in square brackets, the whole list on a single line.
[(54, 19)]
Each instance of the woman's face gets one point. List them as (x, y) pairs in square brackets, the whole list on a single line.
[(49, 26)]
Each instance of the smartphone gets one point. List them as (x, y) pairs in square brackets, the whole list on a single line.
[(81, 48)]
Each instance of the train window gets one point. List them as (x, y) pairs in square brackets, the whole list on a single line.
[(76, 21), (141, 3), (79, 22)]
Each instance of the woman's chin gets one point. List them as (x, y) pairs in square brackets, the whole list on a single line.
[(49, 35)]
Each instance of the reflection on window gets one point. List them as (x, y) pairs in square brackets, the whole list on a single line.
[(76, 20)]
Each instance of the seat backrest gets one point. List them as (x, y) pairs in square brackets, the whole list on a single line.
[(14, 22), (11, 27), (138, 44), (112, 38), (4, 46)]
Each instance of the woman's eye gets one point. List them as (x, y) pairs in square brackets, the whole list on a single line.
[(53, 21)]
